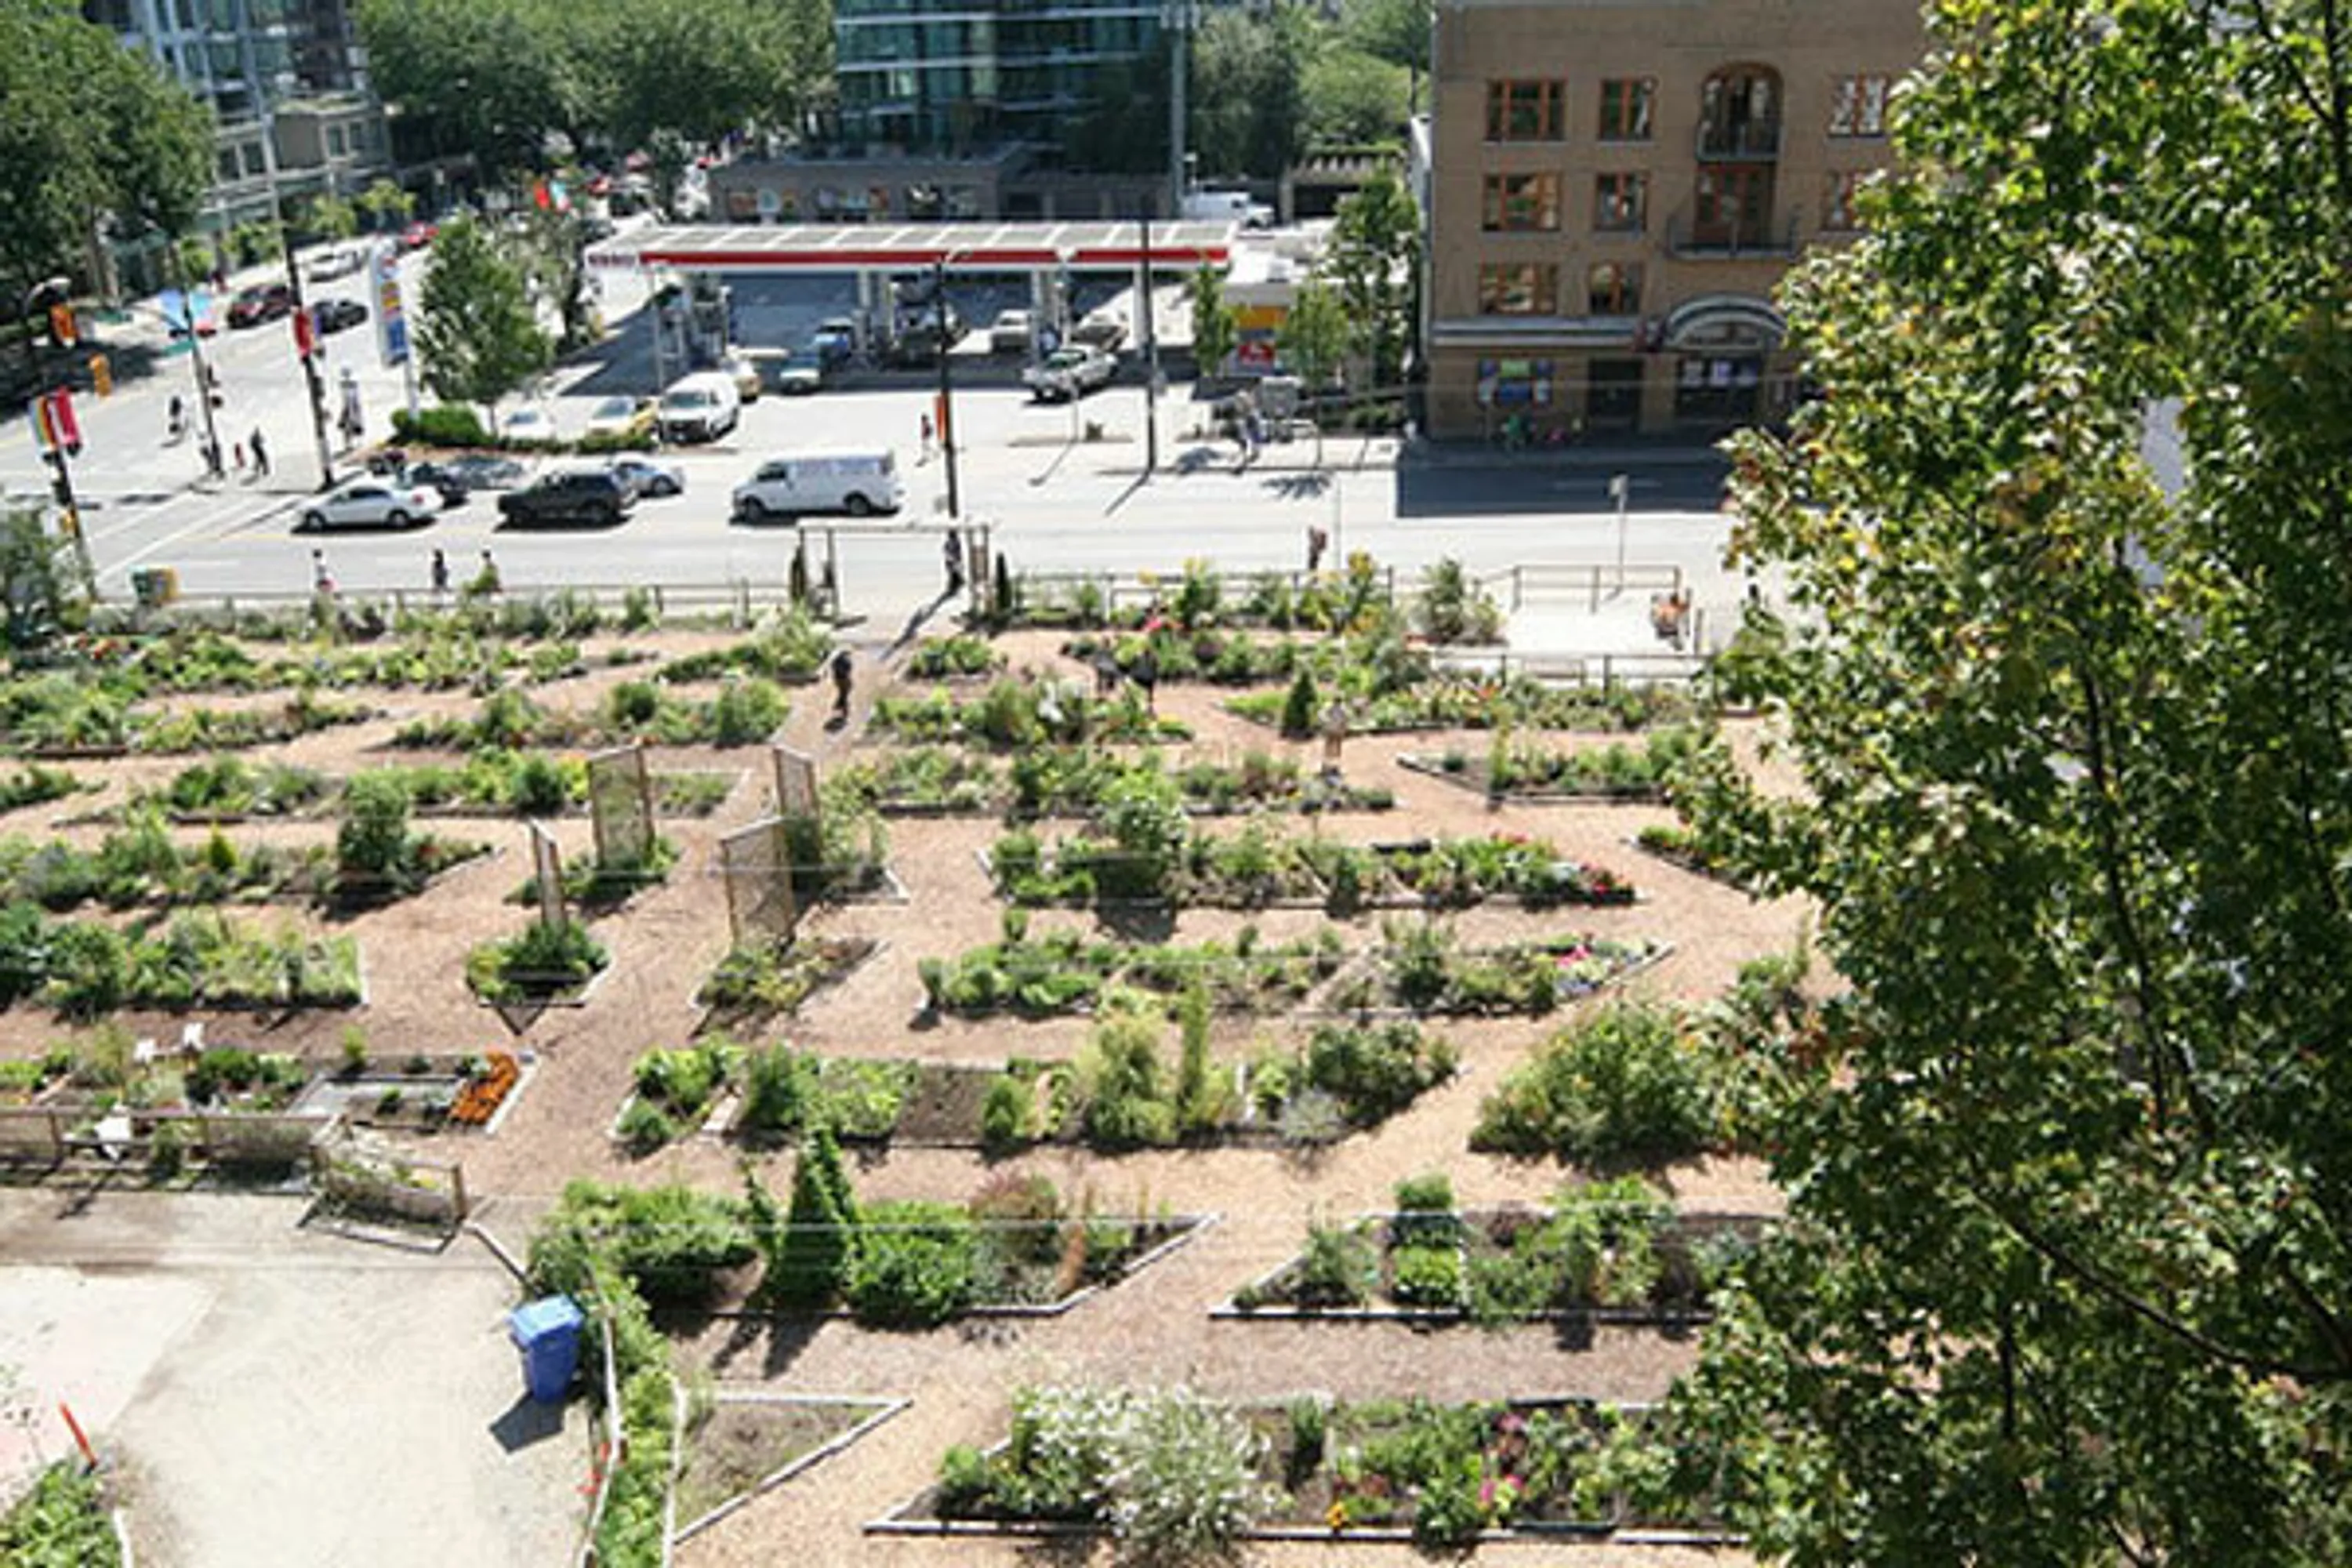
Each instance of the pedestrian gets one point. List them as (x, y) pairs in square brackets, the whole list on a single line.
[(322, 580), (239, 449), (440, 574), (927, 438), (1317, 542), (1145, 673), (260, 455), (213, 457), (844, 667), (953, 550), (487, 580), (176, 419)]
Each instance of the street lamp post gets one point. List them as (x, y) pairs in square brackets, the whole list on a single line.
[(1620, 490), (48, 291), (945, 414), (195, 352), (1150, 359), (307, 349)]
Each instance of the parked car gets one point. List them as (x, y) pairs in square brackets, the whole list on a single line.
[(646, 478), (570, 495), (1069, 374), (436, 477), (262, 302), (700, 407), (1011, 332), (621, 418), (1104, 329), (859, 483), (484, 470), (835, 342), (340, 262), (419, 235), (337, 315), (793, 375), (746, 375), (528, 425), (371, 504)]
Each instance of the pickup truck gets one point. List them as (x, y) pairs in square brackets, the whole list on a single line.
[(1070, 373)]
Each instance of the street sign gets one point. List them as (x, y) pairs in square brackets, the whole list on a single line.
[(390, 315)]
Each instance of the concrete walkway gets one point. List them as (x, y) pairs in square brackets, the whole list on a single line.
[(278, 1398)]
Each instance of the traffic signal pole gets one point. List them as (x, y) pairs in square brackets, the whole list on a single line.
[(195, 353), (306, 348), (54, 430)]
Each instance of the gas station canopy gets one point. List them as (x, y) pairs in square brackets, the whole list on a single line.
[(970, 248)]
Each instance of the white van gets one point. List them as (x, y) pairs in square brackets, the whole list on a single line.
[(859, 483), (698, 407)]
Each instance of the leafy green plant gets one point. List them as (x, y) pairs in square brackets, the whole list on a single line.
[(810, 1261), (911, 1265), (1630, 1081), (61, 1522), (543, 961)]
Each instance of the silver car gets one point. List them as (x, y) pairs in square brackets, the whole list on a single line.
[(372, 503)]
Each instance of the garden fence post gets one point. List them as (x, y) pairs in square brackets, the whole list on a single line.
[(457, 1191)]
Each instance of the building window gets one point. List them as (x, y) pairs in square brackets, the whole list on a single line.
[(1519, 289), (1525, 110), (1838, 206), (1515, 383), (1625, 108), (1522, 202), (336, 145), (1858, 106), (1619, 203), (1614, 288)]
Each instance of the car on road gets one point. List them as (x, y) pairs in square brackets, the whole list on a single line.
[(1104, 329), (570, 495), (262, 302), (793, 375), (745, 372), (371, 504), (700, 407), (337, 315), (1011, 331), (340, 262), (835, 342), (859, 483), (620, 420), (534, 427), (646, 477), (419, 235), (480, 470), (1068, 374)]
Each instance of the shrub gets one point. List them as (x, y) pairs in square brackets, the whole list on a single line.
[(1452, 609), (543, 961), (646, 1127), (1183, 1478), (1376, 1071), (371, 843), (1121, 1076), (1299, 707), (670, 1241), (540, 787), (1004, 1116), (1624, 1083), (441, 426), (1428, 1276), (807, 1268), (778, 1084), (911, 1265), (746, 712), (1337, 1268)]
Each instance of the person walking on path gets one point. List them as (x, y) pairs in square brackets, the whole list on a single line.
[(1317, 542), (440, 576), (844, 667), (260, 455), (239, 451), (927, 439), (953, 551), (322, 580)]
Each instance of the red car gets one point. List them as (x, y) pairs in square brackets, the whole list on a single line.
[(262, 302), (418, 235)]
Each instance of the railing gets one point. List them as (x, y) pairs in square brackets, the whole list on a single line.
[(1688, 238), (1748, 140), (1107, 593), (1522, 586), (1606, 670), (55, 1134), (741, 601)]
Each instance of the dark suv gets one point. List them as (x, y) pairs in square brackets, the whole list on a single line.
[(580, 495)]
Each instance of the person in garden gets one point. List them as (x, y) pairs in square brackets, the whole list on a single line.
[(843, 669)]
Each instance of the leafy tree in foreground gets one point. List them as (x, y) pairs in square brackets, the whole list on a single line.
[(1313, 339), (2068, 1279), (1216, 326), (476, 329), (1373, 242)]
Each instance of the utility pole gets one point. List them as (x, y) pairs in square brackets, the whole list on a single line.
[(196, 349), (944, 415), (1150, 359)]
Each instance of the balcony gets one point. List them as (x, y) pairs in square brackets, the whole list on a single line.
[(1740, 140), (1689, 239)]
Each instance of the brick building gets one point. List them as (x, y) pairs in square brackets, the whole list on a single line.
[(1614, 188)]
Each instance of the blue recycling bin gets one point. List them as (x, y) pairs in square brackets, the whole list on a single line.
[(547, 1332)]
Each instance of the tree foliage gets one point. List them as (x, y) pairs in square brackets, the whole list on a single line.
[(1247, 93), (39, 587), (1374, 241), (1216, 326), (87, 129), (1353, 98), (2067, 1280), (476, 329)]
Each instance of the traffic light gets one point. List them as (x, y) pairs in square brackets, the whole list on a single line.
[(101, 375), (62, 330)]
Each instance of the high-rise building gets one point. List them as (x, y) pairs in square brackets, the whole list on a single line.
[(1615, 187), (288, 86)]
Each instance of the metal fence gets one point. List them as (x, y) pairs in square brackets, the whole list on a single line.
[(55, 1135)]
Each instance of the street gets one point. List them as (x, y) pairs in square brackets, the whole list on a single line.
[(1054, 498)]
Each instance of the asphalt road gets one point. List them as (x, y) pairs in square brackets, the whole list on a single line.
[(1054, 498)]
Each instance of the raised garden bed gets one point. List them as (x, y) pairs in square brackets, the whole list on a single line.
[(1679, 847), (1613, 1252), (421, 1093), (745, 1443), (37, 785), (1442, 1477), (744, 712), (751, 985), (1071, 781), (1421, 968), (87, 969), (142, 867), (1453, 702), (1062, 972), (1529, 774), (542, 966), (1014, 714)]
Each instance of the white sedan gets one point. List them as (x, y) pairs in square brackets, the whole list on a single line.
[(529, 426), (372, 503)]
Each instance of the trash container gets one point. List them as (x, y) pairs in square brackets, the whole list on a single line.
[(547, 1332)]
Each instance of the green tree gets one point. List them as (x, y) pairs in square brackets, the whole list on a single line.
[(1247, 89), (698, 71), (1313, 342), (330, 217), (807, 1268), (2066, 1278), (386, 205), (1216, 326), (39, 595), (1375, 240), (489, 76), (91, 130), (1396, 31), (476, 329), (1352, 98)]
